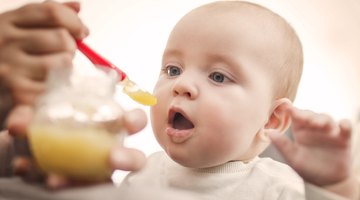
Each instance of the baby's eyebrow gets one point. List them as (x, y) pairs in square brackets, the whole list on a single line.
[(233, 62), (172, 53)]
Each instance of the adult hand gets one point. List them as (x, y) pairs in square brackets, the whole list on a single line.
[(34, 39)]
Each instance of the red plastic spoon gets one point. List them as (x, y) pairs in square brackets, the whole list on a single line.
[(129, 87)]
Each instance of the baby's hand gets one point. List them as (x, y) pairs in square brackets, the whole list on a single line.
[(321, 151), (33, 39)]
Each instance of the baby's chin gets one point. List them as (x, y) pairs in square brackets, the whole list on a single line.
[(192, 161)]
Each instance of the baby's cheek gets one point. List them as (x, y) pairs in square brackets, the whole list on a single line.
[(158, 123), (228, 143), (217, 147)]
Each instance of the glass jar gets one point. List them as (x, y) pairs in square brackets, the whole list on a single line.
[(76, 124)]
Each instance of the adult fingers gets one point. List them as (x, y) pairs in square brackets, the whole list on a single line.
[(134, 120), (33, 67), (50, 14), (26, 91), (73, 5), (26, 168), (44, 40), (56, 181), (41, 65), (19, 120), (127, 159)]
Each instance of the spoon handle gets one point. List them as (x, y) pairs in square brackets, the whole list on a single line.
[(98, 60)]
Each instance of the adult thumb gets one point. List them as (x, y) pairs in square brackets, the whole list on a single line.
[(19, 120)]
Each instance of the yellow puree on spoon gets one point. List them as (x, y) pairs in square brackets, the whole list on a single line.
[(137, 94)]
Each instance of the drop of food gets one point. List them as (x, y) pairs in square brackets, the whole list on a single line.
[(137, 94)]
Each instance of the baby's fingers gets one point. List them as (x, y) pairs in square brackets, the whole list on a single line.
[(283, 144), (299, 117), (314, 122), (345, 131)]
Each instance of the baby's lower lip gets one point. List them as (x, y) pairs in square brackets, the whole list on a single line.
[(178, 136)]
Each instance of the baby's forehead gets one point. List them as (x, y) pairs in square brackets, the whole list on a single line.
[(261, 22), (240, 11)]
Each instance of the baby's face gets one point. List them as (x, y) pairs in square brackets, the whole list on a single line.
[(214, 90)]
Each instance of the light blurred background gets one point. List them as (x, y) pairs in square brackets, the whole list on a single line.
[(132, 34)]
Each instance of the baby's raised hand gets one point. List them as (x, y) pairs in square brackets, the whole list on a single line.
[(321, 150)]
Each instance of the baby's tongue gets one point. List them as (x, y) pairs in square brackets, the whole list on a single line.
[(181, 123)]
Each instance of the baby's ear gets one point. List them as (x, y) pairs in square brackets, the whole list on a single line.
[(279, 119)]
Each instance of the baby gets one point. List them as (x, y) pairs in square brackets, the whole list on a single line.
[(230, 71)]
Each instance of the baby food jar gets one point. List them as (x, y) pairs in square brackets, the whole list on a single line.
[(76, 124)]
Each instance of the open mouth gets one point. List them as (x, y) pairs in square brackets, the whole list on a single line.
[(179, 121)]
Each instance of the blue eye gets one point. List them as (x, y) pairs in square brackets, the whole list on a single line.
[(172, 70), (217, 77)]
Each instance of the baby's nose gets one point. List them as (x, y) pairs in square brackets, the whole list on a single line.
[(185, 86)]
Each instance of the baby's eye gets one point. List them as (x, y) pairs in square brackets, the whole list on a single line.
[(218, 77), (172, 70)]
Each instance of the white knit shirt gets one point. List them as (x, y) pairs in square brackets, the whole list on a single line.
[(262, 178)]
